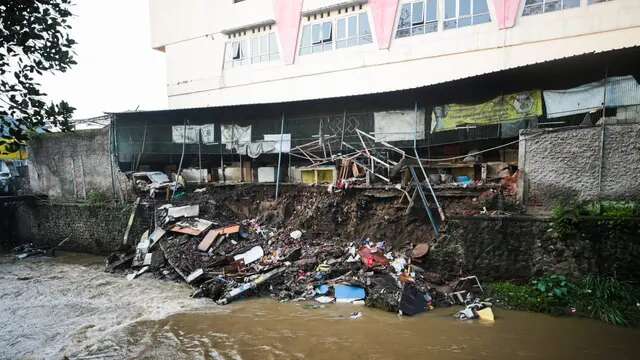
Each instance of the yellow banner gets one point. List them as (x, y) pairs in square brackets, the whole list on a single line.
[(7, 152), (503, 109)]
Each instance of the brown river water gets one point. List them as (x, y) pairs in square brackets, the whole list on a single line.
[(52, 308)]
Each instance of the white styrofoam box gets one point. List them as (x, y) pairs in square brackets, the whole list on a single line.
[(266, 174)]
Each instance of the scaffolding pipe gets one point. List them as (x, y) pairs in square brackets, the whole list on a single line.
[(424, 172), (602, 132), (144, 141), (279, 156), (184, 142)]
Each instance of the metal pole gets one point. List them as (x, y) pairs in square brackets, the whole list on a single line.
[(113, 182), (184, 142), (424, 172), (279, 156), (199, 157), (344, 122), (144, 140), (224, 178), (603, 125)]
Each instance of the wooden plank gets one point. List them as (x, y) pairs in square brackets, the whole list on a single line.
[(125, 240), (208, 240)]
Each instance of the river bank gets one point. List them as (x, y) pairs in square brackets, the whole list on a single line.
[(67, 306)]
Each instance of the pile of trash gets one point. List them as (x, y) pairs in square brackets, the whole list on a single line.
[(226, 260)]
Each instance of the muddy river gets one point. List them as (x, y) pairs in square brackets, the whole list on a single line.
[(52, 308)]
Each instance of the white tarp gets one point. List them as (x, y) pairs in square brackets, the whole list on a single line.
[(621, 91), (192, 133), (185, 134), (235, 134), (398, 125), (275, 145), (208, 132)]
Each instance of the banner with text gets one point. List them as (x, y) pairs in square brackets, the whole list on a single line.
[(503, 109)]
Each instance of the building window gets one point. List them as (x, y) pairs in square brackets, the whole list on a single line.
[(533, 7), (460, 13), (252, 50), (597, 1), (417, 17), (317, 38), (353, 30), (347, 31)]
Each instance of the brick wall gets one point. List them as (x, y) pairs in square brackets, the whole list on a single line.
[(91, 229)]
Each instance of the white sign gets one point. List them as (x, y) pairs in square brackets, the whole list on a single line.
[(208, 132), (399, 125), (185, 134)]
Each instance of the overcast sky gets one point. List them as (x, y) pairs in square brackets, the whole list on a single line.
[(117, 70)]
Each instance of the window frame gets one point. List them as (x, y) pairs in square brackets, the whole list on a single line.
[(542, 4), (308, 41), (426, 26), (471, 16), (252, 43), (351, 40)]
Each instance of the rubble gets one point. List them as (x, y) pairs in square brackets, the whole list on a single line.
[(226, 256)]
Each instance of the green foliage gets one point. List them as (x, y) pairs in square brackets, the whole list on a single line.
[(34, 39), (597, 297), (554, 289), (609, 300), (96, 198)]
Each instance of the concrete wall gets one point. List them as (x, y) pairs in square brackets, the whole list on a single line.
[(565, 164), (72, 165), (91, 229), (520, 247), (191, 32)]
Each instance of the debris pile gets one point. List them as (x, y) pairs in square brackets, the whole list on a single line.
[(225, 258)]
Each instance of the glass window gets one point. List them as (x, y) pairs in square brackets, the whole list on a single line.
[(349, 31), (274, 51), (460, 13), (432, 10), (404, 22), (255, 50), (341, 35), (417, 13), (264, 48), (364, 29), (417, 17), (465, 8), (533, 7), (305, 41), (260, 48)]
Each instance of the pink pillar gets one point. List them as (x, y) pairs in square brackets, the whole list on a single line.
[(384, 15), (506, 12), (288, 15)]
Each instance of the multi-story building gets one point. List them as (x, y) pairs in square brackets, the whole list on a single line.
[(438, 78), (228, 52)]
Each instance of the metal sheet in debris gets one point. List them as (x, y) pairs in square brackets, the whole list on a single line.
[(193, 227), (184, 211), (155, 236)]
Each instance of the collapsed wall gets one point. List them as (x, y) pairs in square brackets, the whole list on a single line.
[(567, 164), (501, 247)]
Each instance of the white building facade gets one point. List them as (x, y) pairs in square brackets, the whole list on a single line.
[(232, 52)]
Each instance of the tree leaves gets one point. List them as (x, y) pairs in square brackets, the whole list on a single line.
[(34, 39)]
